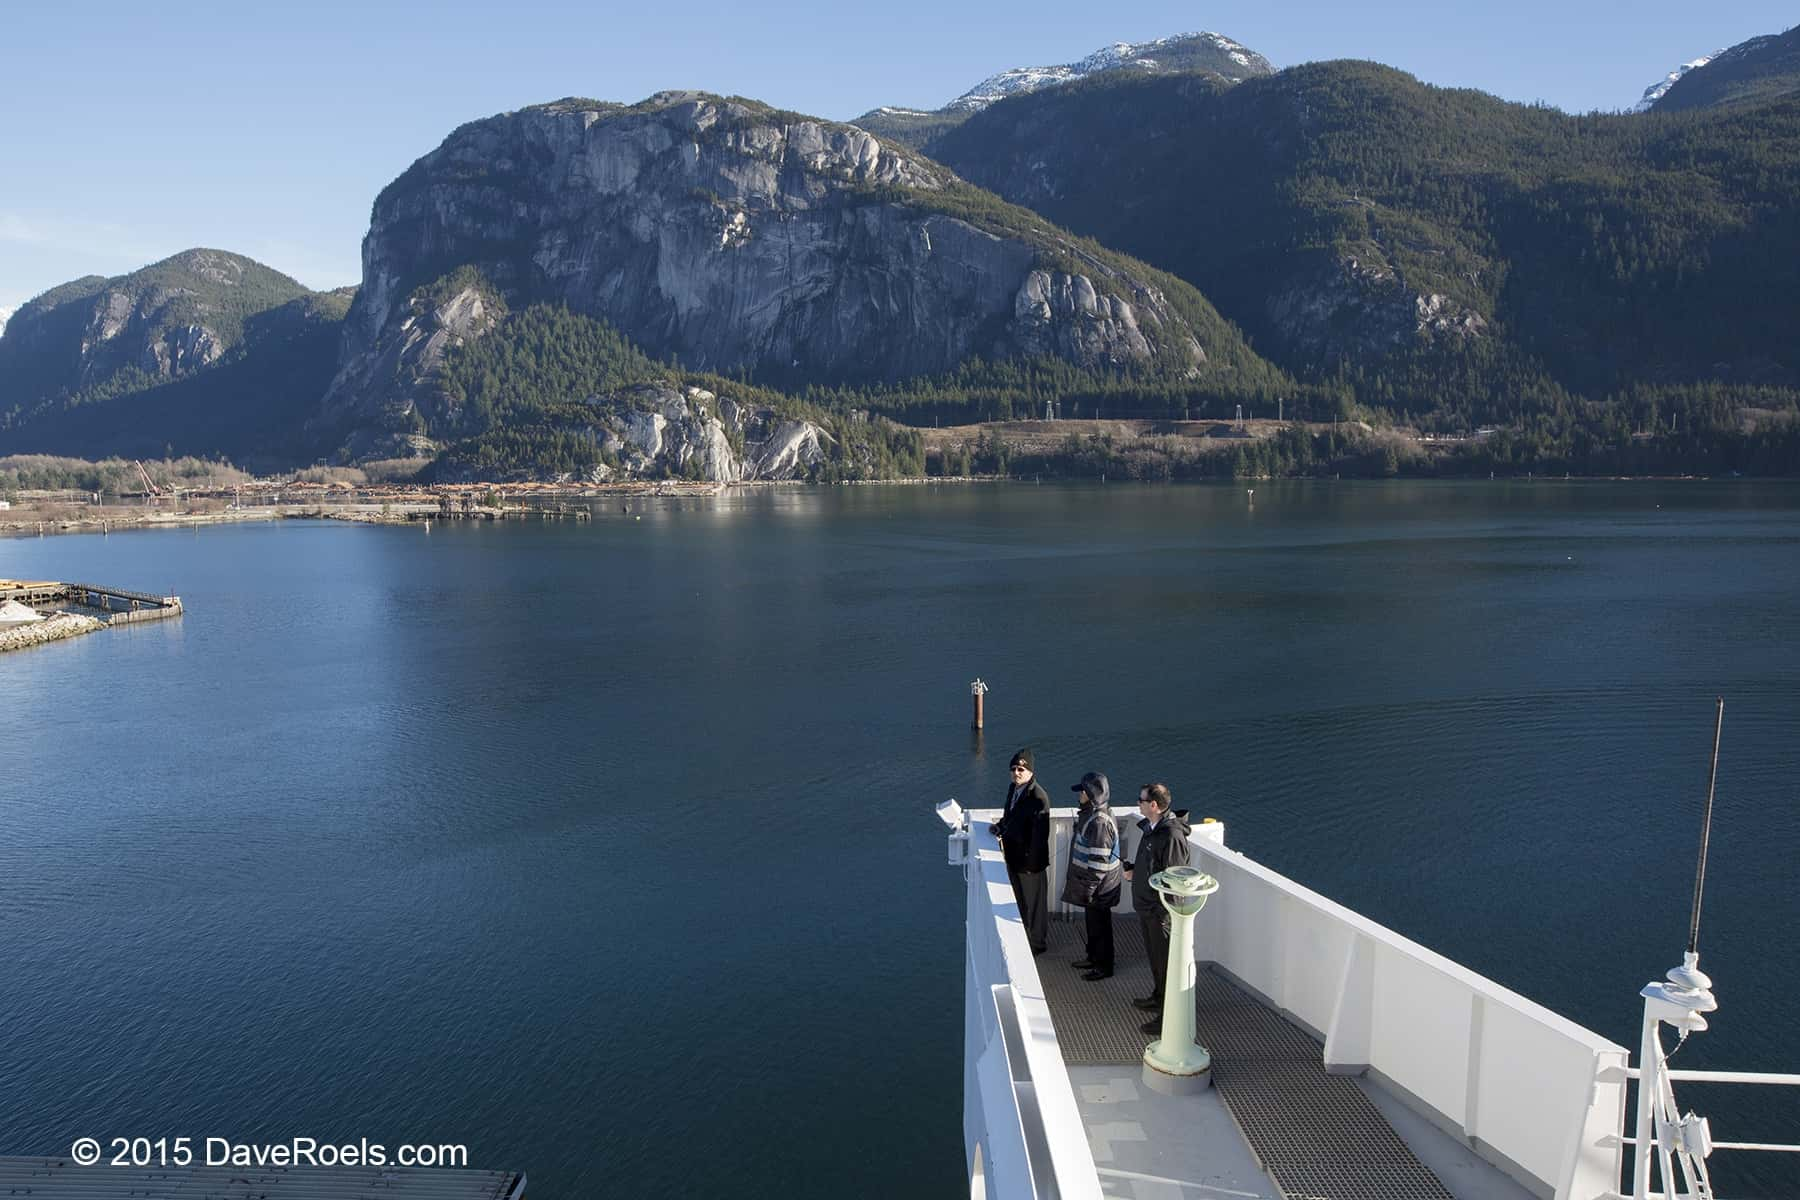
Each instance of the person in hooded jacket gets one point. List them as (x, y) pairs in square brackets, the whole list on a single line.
[(1163, 844), (1095, 876), (1024, 833)]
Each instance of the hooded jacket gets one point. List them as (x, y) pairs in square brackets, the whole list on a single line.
[(1159, 848), (1095, 872)]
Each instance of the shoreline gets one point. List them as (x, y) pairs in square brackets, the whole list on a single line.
[(407, 509)]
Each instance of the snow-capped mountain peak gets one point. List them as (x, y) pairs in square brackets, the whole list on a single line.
[(1655, 91), (1163, 54), (5, 316)]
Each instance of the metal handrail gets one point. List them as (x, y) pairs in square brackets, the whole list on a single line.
[(1631, 1141), (1724, 1076), (1764, 1077)]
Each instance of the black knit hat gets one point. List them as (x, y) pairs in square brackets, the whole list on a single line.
[(1022, 759)]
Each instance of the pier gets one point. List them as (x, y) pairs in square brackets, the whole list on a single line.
[(124, 606), (69, 609)]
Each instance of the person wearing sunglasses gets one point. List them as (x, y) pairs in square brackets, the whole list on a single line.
[(1024, 833), (1164, 844)]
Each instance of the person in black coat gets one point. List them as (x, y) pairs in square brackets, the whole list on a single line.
[(1164, 844), (1024, 833)]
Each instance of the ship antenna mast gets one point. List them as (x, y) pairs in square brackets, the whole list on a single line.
[(1676, 1143), (1706, 830)]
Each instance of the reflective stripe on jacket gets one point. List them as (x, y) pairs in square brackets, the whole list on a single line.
[(1095, 874)]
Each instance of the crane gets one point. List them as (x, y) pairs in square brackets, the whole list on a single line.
[(149, 487)]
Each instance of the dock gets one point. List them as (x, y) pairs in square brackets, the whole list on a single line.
[(68, 609), (122, 605)]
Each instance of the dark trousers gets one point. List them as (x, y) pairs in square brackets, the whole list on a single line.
[(1032, 890), (1156, 944), (1099, 937)]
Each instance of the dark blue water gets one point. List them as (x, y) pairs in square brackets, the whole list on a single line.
[(606, 848)]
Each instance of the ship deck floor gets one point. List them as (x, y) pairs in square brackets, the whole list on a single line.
[(1274, 1124)]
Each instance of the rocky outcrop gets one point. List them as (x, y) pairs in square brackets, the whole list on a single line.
[(146, 330), (396, 388), (1352, 306), (161, 327), (660, 430), (666, 430), (729, 237), (1063, 315)]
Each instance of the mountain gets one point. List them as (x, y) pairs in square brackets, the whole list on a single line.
[(1207, 53), (96, 336), (1442, 252), (720, 236), (1757, 71), (5, 316), (206, 351), (1660, 88), (1184, 52)]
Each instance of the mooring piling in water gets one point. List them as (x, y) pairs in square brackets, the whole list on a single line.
[(978, 690)]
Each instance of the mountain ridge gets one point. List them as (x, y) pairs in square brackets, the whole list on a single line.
[(702, 283), (1422, 242), (161, 322), (727, 236), (1205, 52), (1758, 70)]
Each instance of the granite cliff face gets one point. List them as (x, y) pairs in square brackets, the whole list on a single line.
[(397, 378), (726, 236), (1354, 304), (665, 430)]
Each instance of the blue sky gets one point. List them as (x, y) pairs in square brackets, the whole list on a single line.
[(129, 132)]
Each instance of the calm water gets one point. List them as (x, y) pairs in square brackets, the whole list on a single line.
[(607, 848)]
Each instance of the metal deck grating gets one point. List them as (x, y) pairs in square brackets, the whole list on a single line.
[(1318, 1135)]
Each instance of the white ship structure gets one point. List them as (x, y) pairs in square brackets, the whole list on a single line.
[(1345, 1061)]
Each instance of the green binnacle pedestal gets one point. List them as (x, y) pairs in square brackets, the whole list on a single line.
[(1176, 1064)]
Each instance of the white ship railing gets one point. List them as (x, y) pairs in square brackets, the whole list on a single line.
[(1532, 1092), (1537, 1095), (1680, 1145), (1025, 1138), (1767, 1077)]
